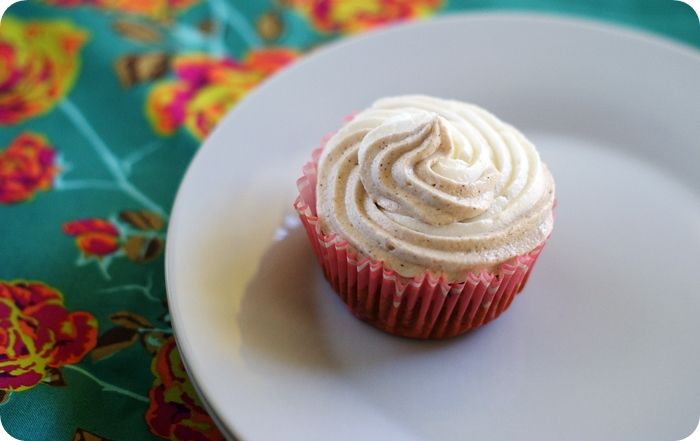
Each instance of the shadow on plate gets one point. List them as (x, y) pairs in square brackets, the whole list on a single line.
[(290, 316), (279, 319)]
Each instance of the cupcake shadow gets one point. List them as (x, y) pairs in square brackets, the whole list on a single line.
[(279, 317), (290, 316)]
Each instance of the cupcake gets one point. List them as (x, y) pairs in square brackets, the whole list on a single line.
[(427, 215)]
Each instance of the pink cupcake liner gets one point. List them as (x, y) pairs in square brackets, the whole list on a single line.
[(426, 306)]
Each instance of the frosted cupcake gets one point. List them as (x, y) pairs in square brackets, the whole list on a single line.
[(427, 215)]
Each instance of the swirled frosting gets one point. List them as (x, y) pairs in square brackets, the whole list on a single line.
[(423, 183)]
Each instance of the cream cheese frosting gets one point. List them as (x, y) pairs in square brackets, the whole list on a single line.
[(424, 183)]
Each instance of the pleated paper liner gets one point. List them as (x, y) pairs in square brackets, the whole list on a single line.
[(425, 306)]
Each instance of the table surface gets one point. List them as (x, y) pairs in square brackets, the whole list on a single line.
[(102, 106)]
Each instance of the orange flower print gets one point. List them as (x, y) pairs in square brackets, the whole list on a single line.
[(175, 411), (354, 16), (94, 237), (27, 165), (38, 334), (39, 61), (132, 234), (205, 88), (156, 9)]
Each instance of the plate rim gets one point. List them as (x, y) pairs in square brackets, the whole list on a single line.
[(614, 29)]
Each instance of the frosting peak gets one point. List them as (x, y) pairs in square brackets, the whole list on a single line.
[(410, 165), (425, 183)]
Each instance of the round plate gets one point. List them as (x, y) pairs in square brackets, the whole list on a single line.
[(603, 343)]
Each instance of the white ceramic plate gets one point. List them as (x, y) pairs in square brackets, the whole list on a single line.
[(603, 345)]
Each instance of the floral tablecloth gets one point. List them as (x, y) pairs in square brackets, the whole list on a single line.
[(102, 105)]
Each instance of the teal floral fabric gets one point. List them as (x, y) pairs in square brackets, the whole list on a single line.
[(102, 105)]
